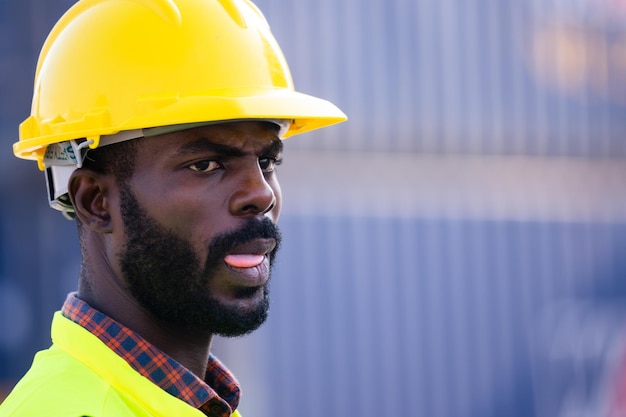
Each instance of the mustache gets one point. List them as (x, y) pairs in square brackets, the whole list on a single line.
[(251, 229)]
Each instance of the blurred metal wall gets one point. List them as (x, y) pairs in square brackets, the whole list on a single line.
[(470, 211)]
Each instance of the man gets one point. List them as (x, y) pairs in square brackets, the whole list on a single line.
[(159, 126)]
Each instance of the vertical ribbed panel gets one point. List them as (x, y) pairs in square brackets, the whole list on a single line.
[(458, 76)]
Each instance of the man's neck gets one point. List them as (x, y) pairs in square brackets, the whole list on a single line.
[(189, 348)]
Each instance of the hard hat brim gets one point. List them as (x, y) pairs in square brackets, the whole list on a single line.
[(304, 112)]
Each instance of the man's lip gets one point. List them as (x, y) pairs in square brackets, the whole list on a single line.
[(255, 276)]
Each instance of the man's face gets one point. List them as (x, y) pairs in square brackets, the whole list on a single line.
[(199, 219)]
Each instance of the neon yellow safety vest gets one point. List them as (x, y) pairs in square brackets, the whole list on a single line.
[(80, 376)]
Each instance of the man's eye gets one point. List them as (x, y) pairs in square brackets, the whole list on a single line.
[(204, 166), (268, 164)]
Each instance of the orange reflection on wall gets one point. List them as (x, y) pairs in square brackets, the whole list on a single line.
[(579, 60)]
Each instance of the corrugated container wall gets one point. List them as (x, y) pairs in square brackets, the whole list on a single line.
[(454, 250)]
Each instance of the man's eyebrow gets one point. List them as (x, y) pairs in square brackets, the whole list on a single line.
[(273, 148), (205, 145)]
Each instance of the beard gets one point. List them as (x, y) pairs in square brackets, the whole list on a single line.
[(165, 275)]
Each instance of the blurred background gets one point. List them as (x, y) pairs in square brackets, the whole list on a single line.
[(456, 249)]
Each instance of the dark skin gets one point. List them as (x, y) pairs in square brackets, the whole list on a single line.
[(196, 183)]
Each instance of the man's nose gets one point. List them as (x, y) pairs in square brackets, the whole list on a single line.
[(253, 194)]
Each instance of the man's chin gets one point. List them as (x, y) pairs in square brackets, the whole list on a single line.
[(240, 327), (233, 318)]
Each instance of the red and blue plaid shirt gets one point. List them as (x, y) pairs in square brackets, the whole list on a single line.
[(216, 396)]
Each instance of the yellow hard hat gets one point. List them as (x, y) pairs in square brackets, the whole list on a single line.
[(111, 66)]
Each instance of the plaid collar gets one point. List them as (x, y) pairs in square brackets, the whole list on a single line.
[(216, 396)]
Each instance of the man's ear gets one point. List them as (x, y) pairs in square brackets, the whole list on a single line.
[(88, 190)]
